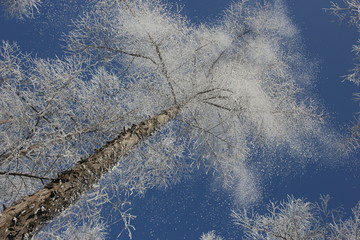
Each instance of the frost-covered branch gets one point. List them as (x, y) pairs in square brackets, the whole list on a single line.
[(350, 9)]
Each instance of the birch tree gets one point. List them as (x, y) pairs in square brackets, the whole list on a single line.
[(144, 99)]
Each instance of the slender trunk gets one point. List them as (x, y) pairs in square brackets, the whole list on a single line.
[(29, 214)]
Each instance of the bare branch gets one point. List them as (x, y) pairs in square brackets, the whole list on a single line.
[(24, 175), (120, 51), (218, 106)]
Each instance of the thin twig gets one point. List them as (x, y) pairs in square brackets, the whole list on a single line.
[(218, 106), (24, 175)]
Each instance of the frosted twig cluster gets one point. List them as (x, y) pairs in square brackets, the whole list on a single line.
[(20, 9)]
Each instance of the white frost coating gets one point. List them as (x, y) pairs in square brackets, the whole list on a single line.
[(274, 19), (247, 190)]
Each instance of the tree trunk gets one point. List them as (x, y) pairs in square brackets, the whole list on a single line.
[(29, 214)]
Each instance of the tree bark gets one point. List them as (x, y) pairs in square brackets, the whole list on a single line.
[(27, 215)]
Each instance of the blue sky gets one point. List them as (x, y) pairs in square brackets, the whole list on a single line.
[(196, 206)]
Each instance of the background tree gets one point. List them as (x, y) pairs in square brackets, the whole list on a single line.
[(298, 219), (210, 236), (20, 9), (349, 11), (236, 88)]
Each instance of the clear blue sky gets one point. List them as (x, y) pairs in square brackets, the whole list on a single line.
[(196, 206)]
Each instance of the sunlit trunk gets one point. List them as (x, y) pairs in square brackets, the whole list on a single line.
[(29, 214)]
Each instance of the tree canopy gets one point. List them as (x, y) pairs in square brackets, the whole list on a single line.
[(241, 87)]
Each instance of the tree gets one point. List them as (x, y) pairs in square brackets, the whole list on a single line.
[(219, 93), (210, 236), (351, 12), (20, 9), (298, 219)]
